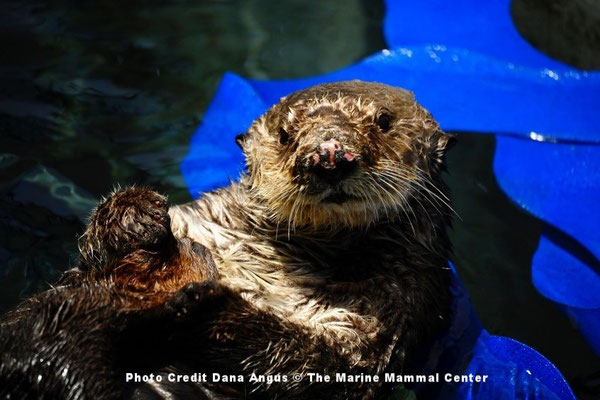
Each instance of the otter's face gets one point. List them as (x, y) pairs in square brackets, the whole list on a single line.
[(344, 154)]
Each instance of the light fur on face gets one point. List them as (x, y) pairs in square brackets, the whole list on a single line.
[(393, 165)]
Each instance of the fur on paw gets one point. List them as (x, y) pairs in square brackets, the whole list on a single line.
[(130, 219)]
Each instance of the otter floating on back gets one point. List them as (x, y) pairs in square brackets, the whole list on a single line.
[(330, 254), (338, 230)]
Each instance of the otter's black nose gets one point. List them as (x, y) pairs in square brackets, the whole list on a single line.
[(331, 162)]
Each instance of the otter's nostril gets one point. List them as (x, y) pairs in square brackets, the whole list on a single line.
[(333, 166), (284, 137), (326, 153), (330, 162)]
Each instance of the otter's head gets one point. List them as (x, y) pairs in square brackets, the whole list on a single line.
[(344, 154)]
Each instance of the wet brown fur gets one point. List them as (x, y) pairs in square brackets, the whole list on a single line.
[(304, 284), (129, 242), (104, 318), (354, 286)]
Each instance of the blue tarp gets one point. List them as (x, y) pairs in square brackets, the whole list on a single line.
[(514, 368), (555, 175), (467, 64)]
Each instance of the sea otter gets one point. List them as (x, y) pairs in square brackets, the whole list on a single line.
[(330, 253), (338, 229)]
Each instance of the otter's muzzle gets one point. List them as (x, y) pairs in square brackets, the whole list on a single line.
[(331, 162)]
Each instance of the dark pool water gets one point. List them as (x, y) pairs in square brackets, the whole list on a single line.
[(96, 95)]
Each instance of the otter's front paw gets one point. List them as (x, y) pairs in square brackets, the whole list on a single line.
[(193, 298), (130, 219)]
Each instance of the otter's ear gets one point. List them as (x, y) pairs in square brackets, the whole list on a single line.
[(240, 139), (440, 144), (446, 142)]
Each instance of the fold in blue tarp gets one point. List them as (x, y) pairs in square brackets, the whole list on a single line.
[(560, 184)]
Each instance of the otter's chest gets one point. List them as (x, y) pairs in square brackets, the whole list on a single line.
[(312, 284)]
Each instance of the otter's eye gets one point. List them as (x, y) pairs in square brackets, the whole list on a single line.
[(384, 122), (283, 136)]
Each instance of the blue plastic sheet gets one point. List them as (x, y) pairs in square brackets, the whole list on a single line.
[(468, 65), (483, 27), (515, 370), (560, 184), (468, 91), (554, 177)]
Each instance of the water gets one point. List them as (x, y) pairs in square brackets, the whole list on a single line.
[(95, 95)]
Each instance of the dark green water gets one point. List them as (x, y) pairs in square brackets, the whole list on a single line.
[(95, 95)]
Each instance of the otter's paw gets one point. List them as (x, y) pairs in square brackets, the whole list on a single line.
[(193, 298), (130, 219)]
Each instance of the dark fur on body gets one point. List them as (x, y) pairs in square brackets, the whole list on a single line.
[(77, 340), (329, 256)]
